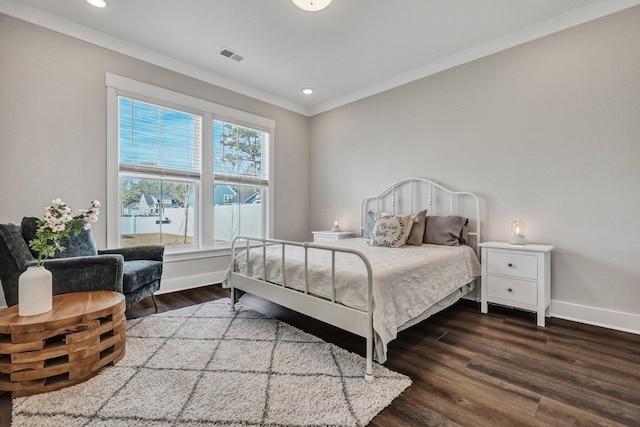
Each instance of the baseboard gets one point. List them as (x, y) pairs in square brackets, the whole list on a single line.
[(190, 282), (177, 284), (617, 320)]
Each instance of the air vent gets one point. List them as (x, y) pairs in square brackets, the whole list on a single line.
[(224, 51)]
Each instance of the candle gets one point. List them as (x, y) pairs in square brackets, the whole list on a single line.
[(335, 226)]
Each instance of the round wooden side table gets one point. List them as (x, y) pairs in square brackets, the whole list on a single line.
[(83, 332)]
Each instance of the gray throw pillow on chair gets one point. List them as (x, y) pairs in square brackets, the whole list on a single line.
[(81, 245)]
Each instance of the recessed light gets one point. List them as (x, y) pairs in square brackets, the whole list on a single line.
[(97, 3), (307, 90)]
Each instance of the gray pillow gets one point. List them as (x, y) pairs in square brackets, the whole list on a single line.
[(369, 223), (81, 245), (417, 231), (29, 226), (449, 230)]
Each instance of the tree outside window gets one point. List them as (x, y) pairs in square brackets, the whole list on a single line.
[(240, 160)]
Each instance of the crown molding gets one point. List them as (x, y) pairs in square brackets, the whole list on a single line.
[(516, 38), (81, 32), (559, 23)]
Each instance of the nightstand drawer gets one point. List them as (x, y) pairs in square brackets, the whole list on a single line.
[(512, 290), (510, 264), (322, 239), (330, 236)]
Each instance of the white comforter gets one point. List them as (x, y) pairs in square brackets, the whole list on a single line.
[(407, 281)]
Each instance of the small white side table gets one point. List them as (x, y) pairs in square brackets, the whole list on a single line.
[(516, 276), (327, 236)]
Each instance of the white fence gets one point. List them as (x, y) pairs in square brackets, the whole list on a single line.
[(228, 222)]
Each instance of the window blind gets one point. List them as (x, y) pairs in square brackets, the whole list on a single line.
[(158, 140)]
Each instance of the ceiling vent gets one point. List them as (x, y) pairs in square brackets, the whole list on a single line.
[(224, 51)]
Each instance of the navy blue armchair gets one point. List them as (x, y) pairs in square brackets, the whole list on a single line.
[(134, 271)]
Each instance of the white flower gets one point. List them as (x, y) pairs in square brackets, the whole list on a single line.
[(61, 223)]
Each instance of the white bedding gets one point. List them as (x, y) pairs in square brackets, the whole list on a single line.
[(407, 281)]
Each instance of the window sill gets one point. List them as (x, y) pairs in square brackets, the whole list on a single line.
[(187, 255)]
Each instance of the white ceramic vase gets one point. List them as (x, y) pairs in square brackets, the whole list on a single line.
[(34, 291)]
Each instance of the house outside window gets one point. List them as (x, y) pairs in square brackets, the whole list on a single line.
[(184, 172)]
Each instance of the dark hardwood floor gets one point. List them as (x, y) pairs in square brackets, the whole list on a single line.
[(470, 369)]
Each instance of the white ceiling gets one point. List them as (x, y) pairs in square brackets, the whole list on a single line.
[(350, 50)]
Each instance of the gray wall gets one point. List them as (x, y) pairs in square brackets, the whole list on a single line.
[(53, 131), (547, 132)]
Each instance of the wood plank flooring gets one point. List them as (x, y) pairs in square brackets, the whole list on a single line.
[(470, 369)]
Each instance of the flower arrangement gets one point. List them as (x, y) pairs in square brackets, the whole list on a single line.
[(58, 223)]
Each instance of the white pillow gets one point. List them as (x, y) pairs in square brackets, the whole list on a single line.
[(391, 230)]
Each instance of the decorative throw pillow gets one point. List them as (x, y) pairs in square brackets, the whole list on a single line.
[(81, 245), (417, 230), (369, 223), (29, 227), (446, 230), (391, 230)]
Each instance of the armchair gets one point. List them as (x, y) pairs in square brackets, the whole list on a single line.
[(134, 271)]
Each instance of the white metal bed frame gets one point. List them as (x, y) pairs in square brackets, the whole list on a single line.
[(359, 322), (435, 206)]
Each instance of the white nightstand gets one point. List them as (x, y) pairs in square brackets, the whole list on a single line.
[(517, 276), (327, 236)]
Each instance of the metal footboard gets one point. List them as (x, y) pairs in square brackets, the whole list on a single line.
[(328, 310)]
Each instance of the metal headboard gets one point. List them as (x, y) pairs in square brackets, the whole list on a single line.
[(416, 194)]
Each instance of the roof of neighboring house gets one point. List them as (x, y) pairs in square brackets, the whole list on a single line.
[(253, 198), (149, 199)]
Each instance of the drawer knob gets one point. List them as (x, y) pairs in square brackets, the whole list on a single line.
[(510, 290), (510, 265)]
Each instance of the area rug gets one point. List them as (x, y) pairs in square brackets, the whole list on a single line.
[(206, 365)]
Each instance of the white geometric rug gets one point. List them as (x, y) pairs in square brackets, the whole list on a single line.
[(206, 365)]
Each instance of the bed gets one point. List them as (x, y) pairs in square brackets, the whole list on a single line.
[(363, 285)]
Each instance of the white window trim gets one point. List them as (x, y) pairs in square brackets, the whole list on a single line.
[(117, 85)]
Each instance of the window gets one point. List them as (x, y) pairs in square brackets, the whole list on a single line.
[(157, 211), (241, 180), (156, 143), (184, 172)]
